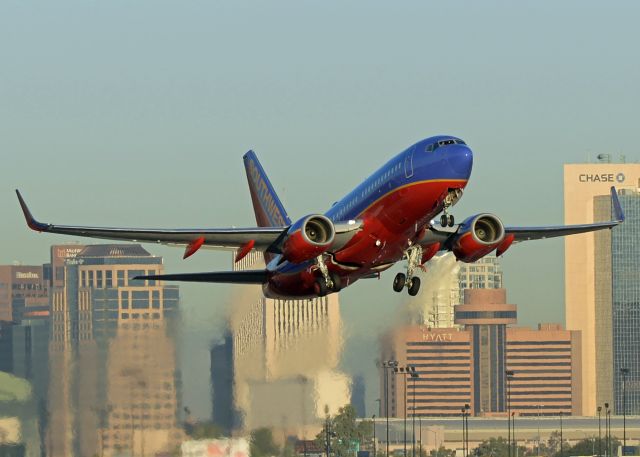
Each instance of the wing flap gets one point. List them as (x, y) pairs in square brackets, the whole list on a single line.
[(225, 238), (230, 277)]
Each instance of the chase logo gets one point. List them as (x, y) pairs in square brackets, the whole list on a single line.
[(268, 202), (601, 177)]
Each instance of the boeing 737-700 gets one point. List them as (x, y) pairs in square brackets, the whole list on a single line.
[(387, 218)]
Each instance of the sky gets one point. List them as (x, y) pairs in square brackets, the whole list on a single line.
[(137, 114)]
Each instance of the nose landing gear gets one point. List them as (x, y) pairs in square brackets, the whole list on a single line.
[(447, 220), (413, 256)]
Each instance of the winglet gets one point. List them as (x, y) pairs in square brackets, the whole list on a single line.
[(617, 208), (31, 221)]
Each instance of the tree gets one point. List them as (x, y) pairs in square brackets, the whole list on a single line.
[(498, 447), (204, 430), (262, 444), (345, 433)]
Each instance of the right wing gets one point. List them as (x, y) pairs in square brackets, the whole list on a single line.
[(226, 238)]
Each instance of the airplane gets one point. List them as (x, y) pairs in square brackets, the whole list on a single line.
[(385, 219)]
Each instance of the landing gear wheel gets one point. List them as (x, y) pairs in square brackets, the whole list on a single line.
[(399, 282), (320, 287), (450, 220), (415, 286), (337, 282), (444, 220)]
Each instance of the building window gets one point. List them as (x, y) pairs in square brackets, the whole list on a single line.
[(109, 278), (120, 274)]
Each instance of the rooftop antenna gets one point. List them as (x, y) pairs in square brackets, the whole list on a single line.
[(604, 158)]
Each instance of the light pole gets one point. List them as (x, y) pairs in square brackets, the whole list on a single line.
[(386, 365), (599, 433), (607, 429), (466, 425), (406, 371), (513, 433), (538, 450), (373, 418), (561, 440), (420, 438), (464, 442), (509, 374), (414, 376), (625, 372)]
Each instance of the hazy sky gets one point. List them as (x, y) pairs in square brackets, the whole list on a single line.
[(138, 113)]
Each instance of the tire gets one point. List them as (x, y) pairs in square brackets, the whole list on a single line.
[(443, 220), (337, 282), (450, 220), (320, 287), (415, 286), (399, 282)]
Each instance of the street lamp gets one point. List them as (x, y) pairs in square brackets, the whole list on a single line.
[(625, 372), (607, 427), (466, 407), (414, 376), (561, 440), (599, 433), (373, 418), (386, 365), (464, 443), (509, 374), (406, 371)]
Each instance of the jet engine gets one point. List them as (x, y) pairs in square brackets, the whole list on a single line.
[(308, 238), (477, 237)]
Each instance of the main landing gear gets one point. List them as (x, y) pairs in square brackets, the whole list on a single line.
[(329, 282), (413, 256)]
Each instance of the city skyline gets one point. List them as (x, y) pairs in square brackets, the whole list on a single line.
[(147, 125)]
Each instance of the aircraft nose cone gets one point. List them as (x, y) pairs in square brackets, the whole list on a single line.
[(460, 160)]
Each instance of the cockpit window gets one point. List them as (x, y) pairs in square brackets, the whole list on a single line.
[(433, 146)]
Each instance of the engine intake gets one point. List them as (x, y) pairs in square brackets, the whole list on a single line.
[(477, 237), (308, 238)]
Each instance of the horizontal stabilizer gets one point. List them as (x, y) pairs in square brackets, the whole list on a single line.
[(231, 277)]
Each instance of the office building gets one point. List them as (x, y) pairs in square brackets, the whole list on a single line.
[(546, 371), (598, 271), (485, 314), (468, 364), (617, 254), (24, 292), (443, 360), (114, 385)]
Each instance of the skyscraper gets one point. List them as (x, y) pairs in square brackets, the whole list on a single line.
[(590, 281), (285, 357), (114, 383)]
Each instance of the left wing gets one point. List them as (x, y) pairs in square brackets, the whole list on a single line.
[(227, 238), (446, 236), (537, 233)]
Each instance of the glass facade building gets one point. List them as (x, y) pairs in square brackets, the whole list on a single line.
[(625, 265), (617, 262)]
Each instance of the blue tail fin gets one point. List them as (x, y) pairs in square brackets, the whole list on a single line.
[(266, 204)]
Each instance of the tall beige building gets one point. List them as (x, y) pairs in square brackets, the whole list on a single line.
[(284, 357), (584, 287)]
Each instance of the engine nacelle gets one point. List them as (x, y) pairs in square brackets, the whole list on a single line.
[(308, 238), (477, 237)]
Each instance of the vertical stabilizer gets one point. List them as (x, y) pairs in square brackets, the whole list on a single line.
[(266, 204)]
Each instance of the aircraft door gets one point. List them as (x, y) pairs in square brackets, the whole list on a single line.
[(408, 163)]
